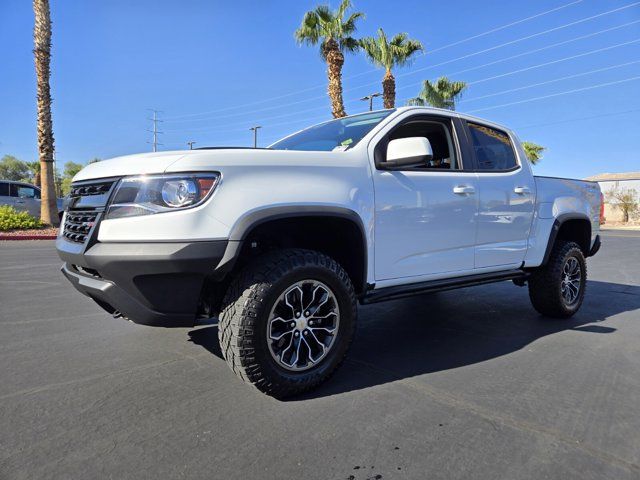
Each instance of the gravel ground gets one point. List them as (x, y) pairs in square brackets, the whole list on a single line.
[(50, 231)]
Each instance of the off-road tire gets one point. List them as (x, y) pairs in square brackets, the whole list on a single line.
[(545, 282), (242, 328)]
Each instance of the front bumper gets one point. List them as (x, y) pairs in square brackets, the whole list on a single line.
[(149, 283)]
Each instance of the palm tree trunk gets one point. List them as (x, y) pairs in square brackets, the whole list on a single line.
[(335, 60), (42, 53), (389, 90)]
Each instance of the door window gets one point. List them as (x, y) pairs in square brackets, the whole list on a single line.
[(22, 191), (439, 135), (4, 189), (493, 148)]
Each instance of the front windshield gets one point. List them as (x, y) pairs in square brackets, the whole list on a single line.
[(340, 134)]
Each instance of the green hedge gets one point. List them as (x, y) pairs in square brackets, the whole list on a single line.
[(11, 219)]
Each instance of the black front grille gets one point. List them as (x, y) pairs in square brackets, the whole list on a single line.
[(92, 189), (78, 224), (87, 201)]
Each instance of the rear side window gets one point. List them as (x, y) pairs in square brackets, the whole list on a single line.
[(23, 191), (493, 148), (4, 189)]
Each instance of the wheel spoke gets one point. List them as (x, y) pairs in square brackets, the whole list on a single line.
[(286, 336), (320, 344), (323, 329), (313, 296), (571, 282), (289, 303), (285, 350), (324, 317)]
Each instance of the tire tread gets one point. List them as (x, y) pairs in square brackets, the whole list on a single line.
[(544, 288), (243, 302)]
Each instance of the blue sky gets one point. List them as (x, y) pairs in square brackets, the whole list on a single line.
[(216, 68)]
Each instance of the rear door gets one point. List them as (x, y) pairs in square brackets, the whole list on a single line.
[(26, 198), (506, 192)]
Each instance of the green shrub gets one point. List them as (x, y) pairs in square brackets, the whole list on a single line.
[(11, 219)]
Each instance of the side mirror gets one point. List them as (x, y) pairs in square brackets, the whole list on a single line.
[(408, 152)]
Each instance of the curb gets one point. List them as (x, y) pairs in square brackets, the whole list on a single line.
[(28, 237)]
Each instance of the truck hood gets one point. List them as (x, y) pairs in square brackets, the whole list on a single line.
[(138, 164), (211, 159)]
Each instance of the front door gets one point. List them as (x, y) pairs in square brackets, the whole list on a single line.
[(425, 217)]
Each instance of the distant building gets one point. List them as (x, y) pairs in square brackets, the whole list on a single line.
[(610, 181)]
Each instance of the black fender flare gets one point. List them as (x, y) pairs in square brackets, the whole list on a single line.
[(557, 224), (250, 221)]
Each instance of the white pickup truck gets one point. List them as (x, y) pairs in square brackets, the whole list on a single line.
[(282, 243)]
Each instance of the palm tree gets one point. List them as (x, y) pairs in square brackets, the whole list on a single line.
[(334, 33), (389, 54), (441, 94), (42, 54), (533, 151), (34, 170)]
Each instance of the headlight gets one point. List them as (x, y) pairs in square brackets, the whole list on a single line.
[(148, 195)]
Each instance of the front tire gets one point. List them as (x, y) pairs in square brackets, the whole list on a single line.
[(287, 321), (557, 289)]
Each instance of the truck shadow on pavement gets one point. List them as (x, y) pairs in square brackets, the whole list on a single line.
[(437, 332)]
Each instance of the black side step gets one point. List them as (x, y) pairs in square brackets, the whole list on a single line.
[(401, 291)]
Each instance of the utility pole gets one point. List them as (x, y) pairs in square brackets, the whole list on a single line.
[(370, 98), (255, 135), (155, 130), (191, 145)]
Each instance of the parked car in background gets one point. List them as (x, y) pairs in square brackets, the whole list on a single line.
[(24, 197)]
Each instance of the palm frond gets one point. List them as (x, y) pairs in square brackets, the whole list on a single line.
[(371, 48), (349, 27), (344, 6), (398, 39), (349, 44), (390, 53), (415, 102), (324, 14), (441, 94), (309, 31)]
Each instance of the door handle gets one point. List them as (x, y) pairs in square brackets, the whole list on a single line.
[(522, 190), (20, 201), (463, 190)]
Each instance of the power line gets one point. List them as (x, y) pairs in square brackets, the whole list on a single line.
[(528, 52), (310, 121), (414, 71), (567, 92), (553, 62), (503, 27), (458, 42), (521, 39), (547, 82), (575, 119), (513, 72)]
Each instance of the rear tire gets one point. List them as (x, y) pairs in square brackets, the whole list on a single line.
[(557, 288), (287, 321)]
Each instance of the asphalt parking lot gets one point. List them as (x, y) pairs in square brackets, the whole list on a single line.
[(463, 384)]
